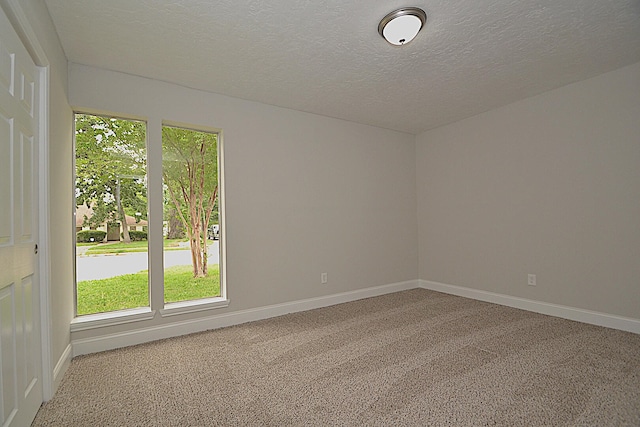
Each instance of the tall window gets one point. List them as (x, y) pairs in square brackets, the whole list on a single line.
[(191, 223), (112, 224), (111, 214)]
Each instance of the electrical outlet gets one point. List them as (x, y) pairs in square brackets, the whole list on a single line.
[(323, 278), (531, 279)]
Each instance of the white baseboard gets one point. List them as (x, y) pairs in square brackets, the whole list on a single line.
[(61, 367), (565, 312), (139, 336)]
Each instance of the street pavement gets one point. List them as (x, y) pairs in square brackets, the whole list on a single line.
[(93, 267)]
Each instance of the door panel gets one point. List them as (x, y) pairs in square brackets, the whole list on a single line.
[(8, 334), (29, 342), (6, 68), (6, 178), (20, 353), (26, 186), (27, 84)]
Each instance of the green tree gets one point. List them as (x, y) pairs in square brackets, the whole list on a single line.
[(111, 168), (190, 172)]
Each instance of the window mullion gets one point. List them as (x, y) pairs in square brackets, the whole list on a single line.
[(154, 170)]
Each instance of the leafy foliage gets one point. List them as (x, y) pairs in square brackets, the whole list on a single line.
[(110, 168)]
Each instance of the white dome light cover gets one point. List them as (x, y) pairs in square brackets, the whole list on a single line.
[(402, 25)]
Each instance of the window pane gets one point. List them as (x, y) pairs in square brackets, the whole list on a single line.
[(191, 225), (111, 214)]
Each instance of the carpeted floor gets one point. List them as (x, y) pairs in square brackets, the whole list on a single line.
[(412, 358)]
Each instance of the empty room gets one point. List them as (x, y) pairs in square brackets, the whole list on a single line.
[(319, 213)]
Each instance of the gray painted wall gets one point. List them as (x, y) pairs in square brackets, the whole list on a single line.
[(549, 185), (305, 194)]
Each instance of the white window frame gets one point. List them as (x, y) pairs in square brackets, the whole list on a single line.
[(156, 251)]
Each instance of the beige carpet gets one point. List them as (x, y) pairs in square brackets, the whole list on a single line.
[(412, 358)]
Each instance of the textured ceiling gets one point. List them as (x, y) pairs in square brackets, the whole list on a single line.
[(326, 57)]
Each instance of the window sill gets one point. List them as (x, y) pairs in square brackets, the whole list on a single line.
[(99, 320), (184, 307)]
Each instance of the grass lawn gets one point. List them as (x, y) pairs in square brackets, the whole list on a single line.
[(131, 290), (142, 246)]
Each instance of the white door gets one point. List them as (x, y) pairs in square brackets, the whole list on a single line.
[(20, 353)]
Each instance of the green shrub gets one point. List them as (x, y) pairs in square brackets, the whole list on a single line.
[(136, 236), (86, 236)]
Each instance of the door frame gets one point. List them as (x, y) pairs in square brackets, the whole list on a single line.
[(24, 29)]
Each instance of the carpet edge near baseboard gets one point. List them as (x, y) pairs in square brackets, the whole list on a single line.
[(138, 336), (152, 333), (570, 313)]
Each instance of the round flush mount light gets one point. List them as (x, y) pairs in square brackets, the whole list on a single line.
[(402, 25)]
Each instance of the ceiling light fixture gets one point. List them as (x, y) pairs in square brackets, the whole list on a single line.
[(402, 25)]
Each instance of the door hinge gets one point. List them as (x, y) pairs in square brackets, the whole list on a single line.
[(35, 250)]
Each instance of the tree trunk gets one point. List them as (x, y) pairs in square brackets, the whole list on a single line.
[(123, 218), (196, 249), (205, 233)]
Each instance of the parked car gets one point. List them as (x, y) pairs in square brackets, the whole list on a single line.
[(214, 232)]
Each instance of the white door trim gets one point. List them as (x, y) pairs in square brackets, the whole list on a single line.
[(48, 387), (22, 26), (25, 31)]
